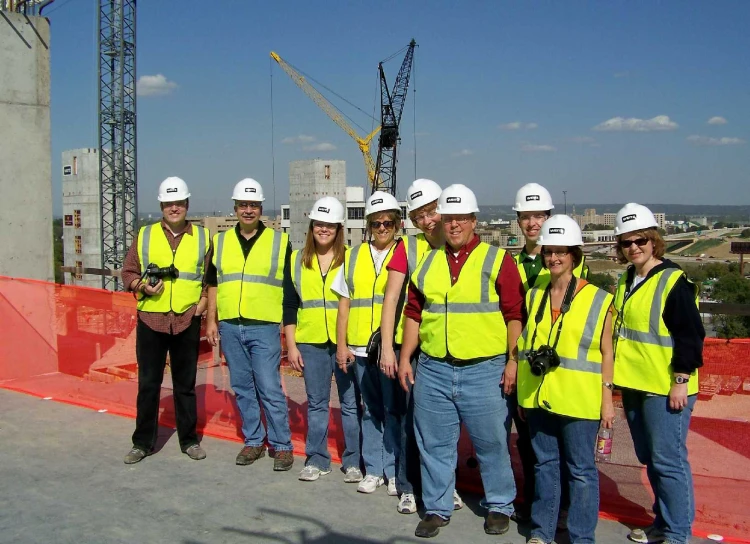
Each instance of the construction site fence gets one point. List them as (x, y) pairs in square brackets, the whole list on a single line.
[(77, 345)]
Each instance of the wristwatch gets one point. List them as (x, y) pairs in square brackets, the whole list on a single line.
[(681, 379), (608, 385)]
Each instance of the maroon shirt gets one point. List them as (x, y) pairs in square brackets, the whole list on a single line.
[(169, 322), (508, 285)]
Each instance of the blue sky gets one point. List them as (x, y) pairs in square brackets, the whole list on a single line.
[(610, 101)]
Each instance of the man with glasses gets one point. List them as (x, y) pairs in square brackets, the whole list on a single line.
[(169, 318), (464, 312), (245, 294)]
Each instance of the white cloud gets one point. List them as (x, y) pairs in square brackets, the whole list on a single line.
[(706, 141), (300, 139), (717, 121), (518, 125), (621, 124), (157, 85), (532, 148), (322, 146), (464, 153)]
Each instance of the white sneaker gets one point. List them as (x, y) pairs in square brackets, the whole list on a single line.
[(407, 504), (353, 475), (311, 473), (648, 535), (392, 491), (535, 540), (369, 484), (458, 502)]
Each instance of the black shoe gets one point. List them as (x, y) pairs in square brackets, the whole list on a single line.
[(496, 523), (521, 515), (430, 526)]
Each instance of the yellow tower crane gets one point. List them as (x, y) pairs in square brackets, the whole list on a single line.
[(335, 115)]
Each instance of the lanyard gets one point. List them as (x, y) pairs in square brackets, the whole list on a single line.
[(567, 300)]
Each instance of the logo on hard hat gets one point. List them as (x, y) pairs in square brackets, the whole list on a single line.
[(376, 201), (532, 197), (172, 190), (324, 209), (250, 190), (626, 218), (453, 200), (415, 195), (557, 230)]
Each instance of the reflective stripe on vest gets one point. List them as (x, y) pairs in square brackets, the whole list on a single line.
[(462, 320), (643, 345), (183, 292), (316, 316), (574, 388), (250, 288), (416, 247), (366, 293)]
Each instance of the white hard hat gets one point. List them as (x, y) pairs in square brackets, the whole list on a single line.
[(632, 217), (421, 192), (327, 209), (380, 201), (457, 199), (248, 189), (173, 189), (560, 230), (532, 197)]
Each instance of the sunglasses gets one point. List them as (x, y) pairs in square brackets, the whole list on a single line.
[(386, 224), (640, 242)]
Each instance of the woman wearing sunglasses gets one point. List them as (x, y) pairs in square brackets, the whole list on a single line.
[(361, 283), (658, 349), (310, 310), (565, 383)]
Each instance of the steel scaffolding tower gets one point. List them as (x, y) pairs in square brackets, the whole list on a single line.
[(117, 133)]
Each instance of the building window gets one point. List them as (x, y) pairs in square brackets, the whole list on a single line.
[(75, 165), (79, 265), (327, 170), (77, 219), (68, 220), (78, 245), (355, 213), (285, 213)]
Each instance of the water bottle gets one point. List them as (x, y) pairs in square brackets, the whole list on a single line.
[(604, 444)]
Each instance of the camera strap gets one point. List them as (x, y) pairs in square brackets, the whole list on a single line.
[(564, 308)]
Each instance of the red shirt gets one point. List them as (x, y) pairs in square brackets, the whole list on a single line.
[(508, 285), (399, 262)]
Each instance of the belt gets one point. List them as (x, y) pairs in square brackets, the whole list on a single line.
[(452, 361)]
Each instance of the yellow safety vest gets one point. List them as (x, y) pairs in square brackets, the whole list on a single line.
[(543, 278), (643, 345), (366, 293), (463, 320), (574, 388), (415, 247), (250, 288), (185, 291), (319, 305)]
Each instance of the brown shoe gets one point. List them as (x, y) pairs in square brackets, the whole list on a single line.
[(250, 454), (283, 460), (430, 526), (496, 523)]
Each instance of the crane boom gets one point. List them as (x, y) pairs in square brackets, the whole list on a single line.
[(363, 142)]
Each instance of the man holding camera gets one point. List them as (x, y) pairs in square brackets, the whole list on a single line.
[(164, 269)]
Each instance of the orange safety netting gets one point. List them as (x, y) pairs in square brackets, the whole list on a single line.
[(77, 345)]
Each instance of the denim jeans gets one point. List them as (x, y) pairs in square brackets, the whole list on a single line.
[(444, 397), (558, 439), (380, 421), (320, 365), (253, 352), (660, 441), (408, 478)]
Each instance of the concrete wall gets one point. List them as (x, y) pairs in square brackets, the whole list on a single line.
[(25, 154), (309, 181)]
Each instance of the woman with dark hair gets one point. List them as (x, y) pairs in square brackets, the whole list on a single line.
[(310, 311), (361, 283), (658, 350), (565, 383)]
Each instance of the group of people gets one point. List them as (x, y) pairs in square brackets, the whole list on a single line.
[(422, 334)]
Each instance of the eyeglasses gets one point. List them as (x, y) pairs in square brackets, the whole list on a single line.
[(176, 204), (326, 226), (448, 219), (538, 217), (386, 224), (640, 242), (549, 253), (251, 205), (422, 217)]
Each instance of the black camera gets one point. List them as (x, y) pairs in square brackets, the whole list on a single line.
[(543, 359), (154, 273)]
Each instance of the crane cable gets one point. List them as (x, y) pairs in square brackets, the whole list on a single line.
[(414, 100), (273, 154)]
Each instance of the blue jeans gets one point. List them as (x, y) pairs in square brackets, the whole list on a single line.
[(558, 439), (660, 441), (380, 420), (407, 470), (445, 396), (253, 352), (320, 364)]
